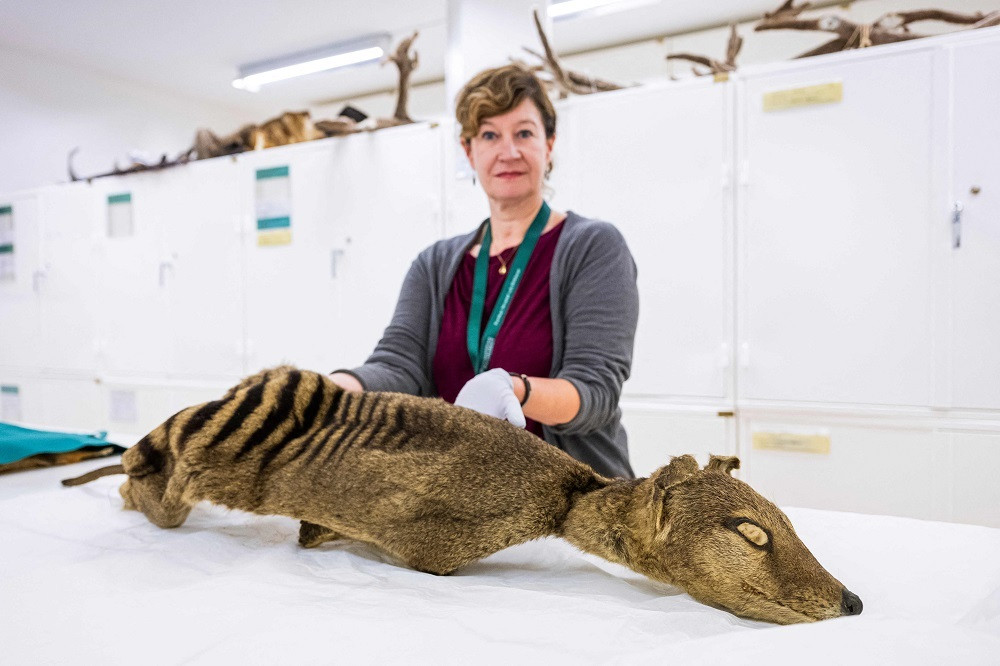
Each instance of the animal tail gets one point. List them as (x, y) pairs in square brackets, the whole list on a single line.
[(94, 474)]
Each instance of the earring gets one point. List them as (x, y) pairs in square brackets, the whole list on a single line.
[(473, 179)]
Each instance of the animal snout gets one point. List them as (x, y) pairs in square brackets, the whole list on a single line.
[(850, 603)]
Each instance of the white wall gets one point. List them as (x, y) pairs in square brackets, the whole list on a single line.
[(47, 108)]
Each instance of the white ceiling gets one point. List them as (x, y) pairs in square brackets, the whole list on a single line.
[(193, 47)]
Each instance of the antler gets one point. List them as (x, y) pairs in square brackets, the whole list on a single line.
[(716, 66), (890, 28), (990, 20), (135, 167), (406, 65), (566, 81), (787, 10), (850, 35)]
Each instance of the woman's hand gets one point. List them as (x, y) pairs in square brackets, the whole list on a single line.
[(492, 393), (347, 382)]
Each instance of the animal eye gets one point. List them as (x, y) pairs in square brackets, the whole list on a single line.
[(751, 531)]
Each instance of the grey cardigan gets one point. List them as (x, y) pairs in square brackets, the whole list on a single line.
[(595, 306)]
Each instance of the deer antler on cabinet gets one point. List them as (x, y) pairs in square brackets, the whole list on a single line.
[(406, 65), (716, 66), (566, 82), (890, 28)]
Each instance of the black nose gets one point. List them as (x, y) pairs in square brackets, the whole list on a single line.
[(850, 603)]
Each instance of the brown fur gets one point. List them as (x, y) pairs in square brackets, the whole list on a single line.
[(439, 486)]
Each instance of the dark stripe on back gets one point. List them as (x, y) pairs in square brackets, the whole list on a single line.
[(316, 443), (377, 422), (167, 425), (307, 423), (341, 400), (357, 428), (279, 414), (315, 402), (337, 449), (330, 442), (334, 407), (251, 401), (152, 458), (198, 420), (397, 435)]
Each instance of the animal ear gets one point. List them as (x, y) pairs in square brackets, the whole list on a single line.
[(724, 464), (679, 469)]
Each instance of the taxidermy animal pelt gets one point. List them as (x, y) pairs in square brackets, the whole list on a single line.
[(439, 486)]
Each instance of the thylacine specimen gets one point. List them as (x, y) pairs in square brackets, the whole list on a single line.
[(439, 486)]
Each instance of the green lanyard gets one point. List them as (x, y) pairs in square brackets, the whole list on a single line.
[(481, 345)]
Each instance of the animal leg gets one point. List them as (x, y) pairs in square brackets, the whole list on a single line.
[(312, 535), (158, 497)]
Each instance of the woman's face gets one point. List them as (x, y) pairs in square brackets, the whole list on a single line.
[(510, 153)]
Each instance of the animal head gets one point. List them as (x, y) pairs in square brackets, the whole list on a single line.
[(728, 547)]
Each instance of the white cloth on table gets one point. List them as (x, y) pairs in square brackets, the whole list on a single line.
[(83, 581)]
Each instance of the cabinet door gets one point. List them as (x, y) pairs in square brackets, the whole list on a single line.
[(389, 199), (655, 163), (897, 469), (975, 493), (656, 433), (133, 326), (19, 281), (203, 269), (836, 225), (73, 231), (292, 302), (975, 297)]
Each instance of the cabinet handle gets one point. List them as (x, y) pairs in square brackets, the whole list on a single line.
[(956, 225), (37, 279), (165, 266), (335, 256)]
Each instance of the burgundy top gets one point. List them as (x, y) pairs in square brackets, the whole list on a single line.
[(524, 342)]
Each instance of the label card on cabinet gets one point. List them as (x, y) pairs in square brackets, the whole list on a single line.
[(7, 243), (791, 439), (825, 93), (120, 215), (10, 403), (274, 206)]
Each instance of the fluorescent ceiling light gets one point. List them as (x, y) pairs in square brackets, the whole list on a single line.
[(564, 9), (343, 54)]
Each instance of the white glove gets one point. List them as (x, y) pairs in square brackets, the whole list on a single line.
[(492, 393)]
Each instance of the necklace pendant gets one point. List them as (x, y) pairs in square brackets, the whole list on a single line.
[(503, 270)]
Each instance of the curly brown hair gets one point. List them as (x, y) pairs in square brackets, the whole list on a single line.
[(493, 92)]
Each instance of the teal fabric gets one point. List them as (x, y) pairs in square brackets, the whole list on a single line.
[(17, 442)]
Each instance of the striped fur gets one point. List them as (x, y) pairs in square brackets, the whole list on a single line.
[(389, 469), (438, 486)]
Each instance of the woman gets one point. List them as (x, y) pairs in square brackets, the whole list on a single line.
[(552, 295)]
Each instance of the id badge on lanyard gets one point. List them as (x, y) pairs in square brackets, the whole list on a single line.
[(481, 343)]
